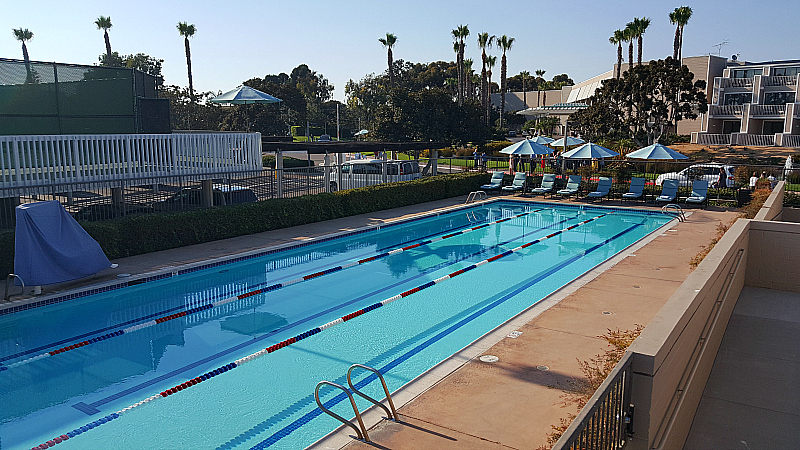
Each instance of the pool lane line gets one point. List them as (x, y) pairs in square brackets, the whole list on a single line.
[(287, 342), (270, 288)]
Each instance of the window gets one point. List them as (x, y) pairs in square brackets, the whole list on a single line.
[(784, 71), (746, 73), (738, 99), (731, 126), (778, 98), (772, 127)]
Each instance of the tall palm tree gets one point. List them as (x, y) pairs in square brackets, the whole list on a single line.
[(23, 35), (104, 23), (188, 31), (639, 27), (460, 34), (679, 17), (525, 74), (389, 43), (484, 41), (539, 74), (490, 62), (468, 77), (618, 38), (505, 44), (630, 35)]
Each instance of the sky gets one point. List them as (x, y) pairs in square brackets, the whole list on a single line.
[(241, 39)]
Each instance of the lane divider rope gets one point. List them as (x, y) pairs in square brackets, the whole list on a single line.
[(285, 343), (264, 290)]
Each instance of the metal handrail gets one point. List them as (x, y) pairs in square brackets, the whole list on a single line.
[(363, 436), (474, 196), (675, 211), (393, 413), (9, 278)]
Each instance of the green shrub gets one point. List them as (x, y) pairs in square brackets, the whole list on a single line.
[(493, 148), (153, 232), (288, 162)]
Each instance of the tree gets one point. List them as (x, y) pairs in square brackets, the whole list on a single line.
[(23, 35), (484, 41), (639, 28), (188, 31), (468, 72), (104, 23), (490, 62), (680, 17), (629, 34), (139, 61), (539, 74), (618, 38), (505, 44), (660, 94), (459, 35), (524, 74), (389, 42)]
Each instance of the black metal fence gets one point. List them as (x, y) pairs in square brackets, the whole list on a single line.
[(608, 422)]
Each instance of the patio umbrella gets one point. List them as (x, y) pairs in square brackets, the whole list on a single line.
[(527, 147), (244, 95), (542, 140), (589, 151), (570, 141), (655, 151)]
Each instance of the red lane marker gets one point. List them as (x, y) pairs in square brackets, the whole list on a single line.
[(411, 246), (313, 275)]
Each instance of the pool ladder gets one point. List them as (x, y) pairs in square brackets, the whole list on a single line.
[(675, 211), (475, 196), (10, 277), (362, 432)]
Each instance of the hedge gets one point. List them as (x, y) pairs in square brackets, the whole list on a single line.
[(147, 233)]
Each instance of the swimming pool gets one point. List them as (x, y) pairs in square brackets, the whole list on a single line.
[(228, 357)]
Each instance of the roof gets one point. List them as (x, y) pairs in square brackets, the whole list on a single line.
[(558, 108)]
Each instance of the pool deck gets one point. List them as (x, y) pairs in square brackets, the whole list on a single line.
[(463, 402)]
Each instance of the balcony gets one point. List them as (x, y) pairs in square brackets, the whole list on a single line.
[(745, 83), (725, 110), (713, 139), (785, 81), (767, 110)]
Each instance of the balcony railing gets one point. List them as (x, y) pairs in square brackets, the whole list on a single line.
[(756, 140), (736, 83), (791, 140), (725, 110), (713, 139), (767, 110), (779, 81)]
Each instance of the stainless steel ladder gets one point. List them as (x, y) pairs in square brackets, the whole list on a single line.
[(10, 277), (675, 211), (475, 196), (361, 430)]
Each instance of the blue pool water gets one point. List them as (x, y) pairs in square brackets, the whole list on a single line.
[(268, 401)]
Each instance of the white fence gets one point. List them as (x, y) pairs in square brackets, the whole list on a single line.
[(30, 161), (757, 140), (713, 139)]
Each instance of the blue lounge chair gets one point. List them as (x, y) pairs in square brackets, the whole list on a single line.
[(548, 180), (495, 183), (699, 192), (635, 190), (603, 186), (573, 184), (518, 184), (669, 190)]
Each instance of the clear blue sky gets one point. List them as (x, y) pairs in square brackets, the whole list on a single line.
[(241, 39)]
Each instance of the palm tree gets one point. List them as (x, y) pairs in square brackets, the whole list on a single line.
[(539, 74), (490, 62), (505, 44), (24, 35), (618, 38), (525, 74), (629, 34), (459, 34), (484, 41), (389, 43), (188, 31), (679, 17), (639, 27), (104, 23), (468, 77)]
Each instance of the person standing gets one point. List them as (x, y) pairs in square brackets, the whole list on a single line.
[(753, 181), (722, 182)]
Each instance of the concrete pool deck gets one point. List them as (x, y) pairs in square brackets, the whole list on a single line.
[(508, 404)]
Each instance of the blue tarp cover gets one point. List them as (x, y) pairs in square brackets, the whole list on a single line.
[(50, 247)]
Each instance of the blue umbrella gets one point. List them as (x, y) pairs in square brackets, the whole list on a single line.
[(655, 151), (570, 141), (542, 140), (527, 147), (589, 151), (244, 95)]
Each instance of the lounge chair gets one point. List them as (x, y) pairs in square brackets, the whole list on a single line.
[(495, 183), (548, 180), (635, 190), (669, 190), (573, 184), (603, 186), (518, 184), (699, 192)]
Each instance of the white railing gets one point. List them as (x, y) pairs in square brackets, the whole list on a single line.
[(779, 80), (736, 83), (713, 139), (757, 140), (767, 110), (791, 140), (725, 110), (29, 161)]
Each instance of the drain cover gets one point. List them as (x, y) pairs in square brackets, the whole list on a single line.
[(637, 287), (489, 358), (606, 313), (543, 368)]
